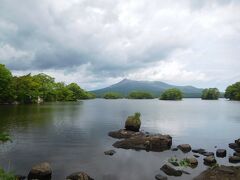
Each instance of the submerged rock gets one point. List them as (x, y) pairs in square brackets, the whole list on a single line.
[(237, 149), (156, 142), (133, 123), (221, 152), (79, 176), (208, 153), (192, 161), (220, 173), (209, 160), (184, 148), (174, 149), (110, 152), (199, 151), (237, 141), (234, 159), (170, 171), (160, 177), (236, 154), (233, 145), (40, 171), (123, 134)]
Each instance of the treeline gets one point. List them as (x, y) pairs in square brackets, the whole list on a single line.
[(37, 88)]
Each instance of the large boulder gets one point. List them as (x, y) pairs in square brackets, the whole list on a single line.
[(220, 173), (192, 161), (209, 160), (40, 171), (170, 171), (237, 141), (184, 148), (133, 123), (160, 177), (155, 142), (123, 133), (79, 176), (234, 159), (221, 152)]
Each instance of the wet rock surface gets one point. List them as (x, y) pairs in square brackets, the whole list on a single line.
[(79, 176), (155, 142), (110, 152), (209, 160), (40, 171), (170, 171), (160, 177), (220, 173), (184, 148), (234, 159), (221, 153), (193, 162), (123, 134)]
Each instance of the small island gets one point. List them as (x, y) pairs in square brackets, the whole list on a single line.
[(140, 95), (112, 95), (210, 94), (233, 92), (171, 94)]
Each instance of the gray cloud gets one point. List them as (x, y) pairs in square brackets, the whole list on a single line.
[(107, 40)]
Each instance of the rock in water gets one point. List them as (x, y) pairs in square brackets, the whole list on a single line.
[(123, 134), (40, 171), (220, 173), (170, 171), (184, 148), (133, 123), (233, 145), (79, 176), (110, 152), (236, 154), (221, 152), (193, 162), (208, 153), (160, 177), (234, 159), (209, 160), (156, 142)]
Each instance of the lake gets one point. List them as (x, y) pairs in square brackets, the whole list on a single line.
[(73, 136)]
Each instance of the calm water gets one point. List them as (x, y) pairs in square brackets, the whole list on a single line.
[(73, 136)]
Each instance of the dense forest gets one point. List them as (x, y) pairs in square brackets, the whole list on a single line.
[(37, 88)]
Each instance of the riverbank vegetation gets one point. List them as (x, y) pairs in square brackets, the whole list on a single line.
[(37, 88), (6, 175), (140, 95), (233, 92), (171, 94), (4, 137), (210, 94), (112, 95)]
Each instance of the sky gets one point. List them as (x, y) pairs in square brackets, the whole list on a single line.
[(96, 43)]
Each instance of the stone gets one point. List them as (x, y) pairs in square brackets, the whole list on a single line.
[(79, 176), (209, 160), (221, 153), (220, 173), (236, 154), (170, 171), (237, 141), (155, 142), (174, 149), (40, 171), (185, 172), (234, 159), (110, 152), (208, 153), (196, 156), (123, 134), (193, 162), (237, 150), (199, 151), (133, 123), (233, 145), (184, 148), (160, 177)]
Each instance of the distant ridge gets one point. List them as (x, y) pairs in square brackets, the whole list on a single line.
[(126, 86)]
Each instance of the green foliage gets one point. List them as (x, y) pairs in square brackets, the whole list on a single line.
[(133, 122), (233, 92), (140, 95), (176, 162), (6, 175), (6, 93), (4, 137), (112, 95), (171, 94), (210, 94), (28, 89)]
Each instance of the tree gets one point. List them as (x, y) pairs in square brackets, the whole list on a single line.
[(112, 95), (171, 94), (233, 92), (6, 91), (140, 95), (63, 93), (210, 94), (26, 89)]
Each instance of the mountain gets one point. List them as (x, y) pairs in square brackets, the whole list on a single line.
[(126, 86)]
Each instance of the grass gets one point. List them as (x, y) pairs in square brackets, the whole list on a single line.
[(4, 137), (6, 175), (182, 163)]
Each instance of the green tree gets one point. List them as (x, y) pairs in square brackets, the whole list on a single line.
[(78, 92), (140, 95), (26, 89), (63, 93), (112, 95), (233, 92), (6, 90), (210, 94), (171, 94)]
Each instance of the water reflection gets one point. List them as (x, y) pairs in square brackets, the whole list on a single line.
[(73, 136)]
